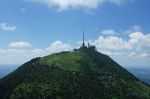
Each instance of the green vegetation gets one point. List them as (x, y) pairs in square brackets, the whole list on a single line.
[(81, 74)]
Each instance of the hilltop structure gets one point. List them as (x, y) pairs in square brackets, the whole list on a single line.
[(89, 45), (83, 43)]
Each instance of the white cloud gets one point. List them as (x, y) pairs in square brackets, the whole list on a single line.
[(136, 41), (58, 46), (76, 4), (20, 44), (140, 41), (6, 27), (111, 43), (20, 56), (108, 32)]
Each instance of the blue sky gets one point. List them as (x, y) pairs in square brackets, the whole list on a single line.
[(32, 28)]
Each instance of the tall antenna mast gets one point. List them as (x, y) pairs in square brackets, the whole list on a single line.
[(83, 44)]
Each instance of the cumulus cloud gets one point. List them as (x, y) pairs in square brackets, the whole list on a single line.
[(20, 44), (6, 27), (140, 41), (13, 55), (19, 56), (111, 42), (76, 4), (58, 46), (137, 41)]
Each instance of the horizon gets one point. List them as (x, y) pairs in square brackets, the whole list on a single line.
[(33, 28)]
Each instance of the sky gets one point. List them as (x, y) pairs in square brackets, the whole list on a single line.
[(35, 28)]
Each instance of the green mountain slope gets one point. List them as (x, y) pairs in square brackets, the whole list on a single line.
[(80, 74)]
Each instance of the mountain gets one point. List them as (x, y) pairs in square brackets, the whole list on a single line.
[(80, 74)]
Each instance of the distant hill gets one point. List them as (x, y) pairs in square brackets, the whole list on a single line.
[(142, 73), (6, 69), (81, 74)]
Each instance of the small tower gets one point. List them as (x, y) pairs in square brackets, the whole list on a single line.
[(88, 45), (83, 44)]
